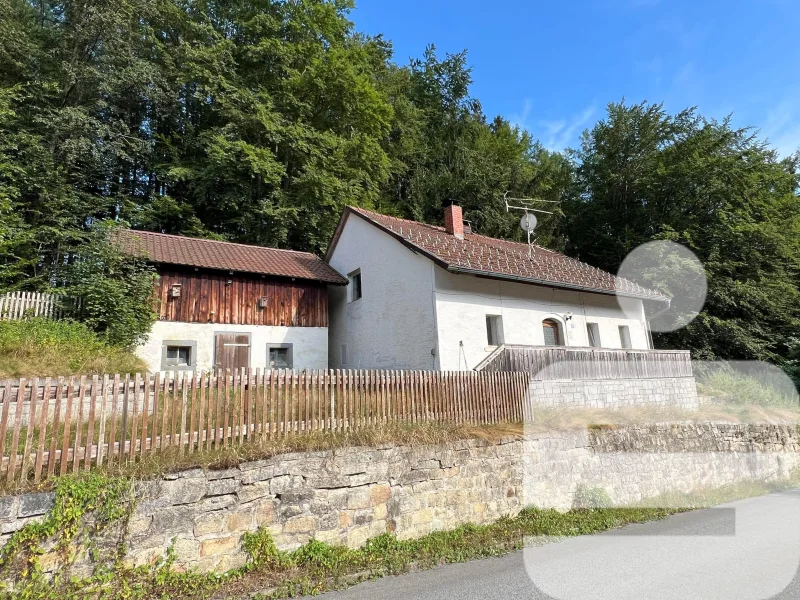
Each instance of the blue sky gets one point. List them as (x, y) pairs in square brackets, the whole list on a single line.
[(553, 66)]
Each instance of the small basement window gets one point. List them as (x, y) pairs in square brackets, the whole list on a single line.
[(280, 356), (178, 355), (593, 331), (625, 336), (355, 285), (494, 330)]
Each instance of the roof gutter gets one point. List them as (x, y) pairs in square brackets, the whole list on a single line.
[(569, 286)]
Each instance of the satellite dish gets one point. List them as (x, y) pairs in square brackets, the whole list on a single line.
[(528, 222)]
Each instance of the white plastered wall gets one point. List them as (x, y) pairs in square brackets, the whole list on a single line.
[(309, 344), (392, 325), (464, 301)]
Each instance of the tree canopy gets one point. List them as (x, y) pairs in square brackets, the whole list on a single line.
[(259, 121), (645, 174)]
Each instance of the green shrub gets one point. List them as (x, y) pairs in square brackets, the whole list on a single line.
[(116, 289)]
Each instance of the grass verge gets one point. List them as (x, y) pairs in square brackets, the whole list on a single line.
[(317, 567), (559, 419), (764, 385), (46, 348)]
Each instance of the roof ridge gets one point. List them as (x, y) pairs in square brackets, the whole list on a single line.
[(404, 220), (199, 239)]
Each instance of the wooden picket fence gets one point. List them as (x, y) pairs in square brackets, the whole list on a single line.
[(55, 426), (21, 305)]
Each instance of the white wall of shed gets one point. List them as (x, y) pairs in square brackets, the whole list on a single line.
[(309, 344)]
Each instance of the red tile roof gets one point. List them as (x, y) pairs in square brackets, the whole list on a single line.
[(492, 257), (226, 256)]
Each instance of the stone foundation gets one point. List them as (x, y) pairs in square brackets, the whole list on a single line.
[(615, 393)]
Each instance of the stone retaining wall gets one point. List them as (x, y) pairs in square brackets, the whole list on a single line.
[(634, 463), (615, 393), (341, 497), (347, 496)]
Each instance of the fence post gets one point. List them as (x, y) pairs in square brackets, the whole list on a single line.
[(12, 458), (37, 470)]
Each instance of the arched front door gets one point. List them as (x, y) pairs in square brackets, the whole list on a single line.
[(552, 334)]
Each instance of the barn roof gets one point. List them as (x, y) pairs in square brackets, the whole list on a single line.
[(210, 254), (500, 259)]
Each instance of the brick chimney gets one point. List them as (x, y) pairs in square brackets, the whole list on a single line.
[(454, 221)]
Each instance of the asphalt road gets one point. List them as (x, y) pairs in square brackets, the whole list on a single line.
[(747, 550)]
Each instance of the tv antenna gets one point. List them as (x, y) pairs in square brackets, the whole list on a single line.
[(528, 221)]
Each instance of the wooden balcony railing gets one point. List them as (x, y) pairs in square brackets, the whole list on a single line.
[(559, 362)]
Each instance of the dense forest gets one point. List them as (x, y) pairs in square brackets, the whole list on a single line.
[(258, 120)]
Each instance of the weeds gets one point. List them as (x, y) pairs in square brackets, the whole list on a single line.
[(174, 458), (316, 566), (766, 387), (43, 347)]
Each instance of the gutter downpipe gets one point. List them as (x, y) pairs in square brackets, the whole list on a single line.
[(658, 314)]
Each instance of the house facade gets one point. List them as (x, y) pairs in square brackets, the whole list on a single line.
[(227, 306), (426, 297)]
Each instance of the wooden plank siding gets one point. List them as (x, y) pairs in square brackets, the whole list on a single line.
[(207, 297)]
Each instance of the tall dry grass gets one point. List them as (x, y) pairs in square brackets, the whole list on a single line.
[(42, 347)]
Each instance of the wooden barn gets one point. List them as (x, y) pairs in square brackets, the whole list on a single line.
[(225, 305)]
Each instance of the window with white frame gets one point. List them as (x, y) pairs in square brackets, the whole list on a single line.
[(625, 336), (593, 332), (355, 285), (494, 330)]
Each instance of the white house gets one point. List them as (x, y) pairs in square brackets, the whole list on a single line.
[(228, 306), (426, 297)]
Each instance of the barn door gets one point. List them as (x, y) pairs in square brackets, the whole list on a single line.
[(232, 350)]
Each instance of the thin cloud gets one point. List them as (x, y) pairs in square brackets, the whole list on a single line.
[(561, 134), (782, 127), (521, 119)]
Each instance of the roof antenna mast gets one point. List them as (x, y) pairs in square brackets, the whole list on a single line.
[(528, 221)]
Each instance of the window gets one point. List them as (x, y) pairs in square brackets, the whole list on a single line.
[(593, 330), (494, 330), (279, 356), (625, 336), (355, 285), (552, 333), (178, 355), (344, 354)]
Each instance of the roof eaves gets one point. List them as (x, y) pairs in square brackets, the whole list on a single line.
[(336, 278), (548, 283)]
